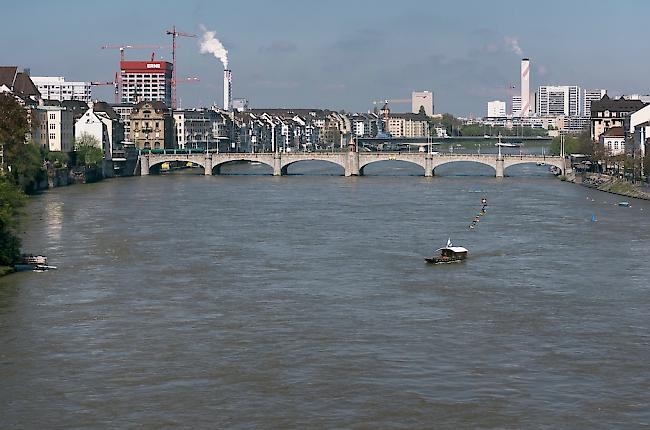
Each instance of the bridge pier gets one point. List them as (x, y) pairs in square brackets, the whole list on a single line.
[(428, 166), (277, 165), (499, 168), (144, 166), (352, 164), (207, 166)]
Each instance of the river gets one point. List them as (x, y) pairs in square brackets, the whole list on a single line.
[(250, 301)]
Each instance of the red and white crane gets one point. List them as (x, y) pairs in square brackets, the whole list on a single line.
[(173, 33)]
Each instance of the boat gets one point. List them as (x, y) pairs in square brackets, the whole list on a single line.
[(448, 254), (36, 263), (624, 204)]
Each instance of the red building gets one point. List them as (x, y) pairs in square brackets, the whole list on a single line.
[(146, 81)]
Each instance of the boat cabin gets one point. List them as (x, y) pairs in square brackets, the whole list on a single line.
[(453, 252), (449, 254)]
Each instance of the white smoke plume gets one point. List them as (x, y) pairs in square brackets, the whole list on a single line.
[(513, 45), (211, 45)]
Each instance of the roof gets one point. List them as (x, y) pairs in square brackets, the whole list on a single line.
[(19, 82), (158, 106), (618, 105), (8, 75), (106, 108), (409, 116), (614, 132), (456, 249)]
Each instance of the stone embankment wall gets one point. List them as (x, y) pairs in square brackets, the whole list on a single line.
[(610, 184)]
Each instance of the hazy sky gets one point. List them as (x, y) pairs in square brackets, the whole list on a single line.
[(343, 54)]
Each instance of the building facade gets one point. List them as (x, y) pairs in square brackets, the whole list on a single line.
[(152, 126), (422, 99), (563, 100), (607, 113), (496, 109), (56, 88), (199, 128), (516, 105), (591, 96), (613, 141), (53, 128), (146, 81), (408, 125), (102, 123)]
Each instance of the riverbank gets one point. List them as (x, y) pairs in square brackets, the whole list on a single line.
[(613, 185), (6, 270)]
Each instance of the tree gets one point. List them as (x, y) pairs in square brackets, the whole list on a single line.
[(23, 161), (12, 200), (88, 151)]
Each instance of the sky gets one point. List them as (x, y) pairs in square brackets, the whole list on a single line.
[(340, 54)]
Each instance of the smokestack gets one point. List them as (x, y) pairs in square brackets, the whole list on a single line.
[(227, 90), (525, 87)]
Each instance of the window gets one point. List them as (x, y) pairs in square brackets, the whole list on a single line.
[(52, 136), (52, 126), (52, 116)]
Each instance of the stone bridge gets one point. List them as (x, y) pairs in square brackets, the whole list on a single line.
[(352, 162)]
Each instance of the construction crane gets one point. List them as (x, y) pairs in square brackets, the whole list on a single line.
[(122, 48), (114, 83), (173, 33), (188, 80)]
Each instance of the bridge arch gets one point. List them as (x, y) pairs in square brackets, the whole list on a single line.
[(217, 165), (291, 161), (155, 164), (547, 162), (365, 163), (438, 163)]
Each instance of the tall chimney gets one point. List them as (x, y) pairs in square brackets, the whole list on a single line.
[(525, 87), (227, 90)]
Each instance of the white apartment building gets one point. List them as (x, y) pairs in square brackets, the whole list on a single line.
[(146, 81), (56, 88), (516, 105), (562, 100), (424, 99), (53, 128), (591, 96), (496, 109)]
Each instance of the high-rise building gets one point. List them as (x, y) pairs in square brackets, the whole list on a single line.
[(516, 105), (591, 96), (146, 81), (422, 99), (496, 108), (562, 100), (56, 88), (525, 88)]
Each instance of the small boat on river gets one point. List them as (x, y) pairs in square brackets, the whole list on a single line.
[(448, 254), (36, 263)]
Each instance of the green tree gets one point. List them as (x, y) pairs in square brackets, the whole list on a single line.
[(57, 158), (88, 151), (23, 161), (12, 200), (573, 144)]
